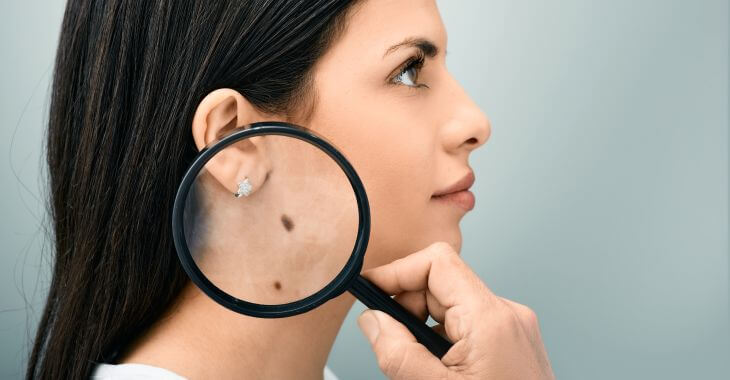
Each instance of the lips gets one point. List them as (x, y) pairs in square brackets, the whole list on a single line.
[(458, 193), (463, 184)]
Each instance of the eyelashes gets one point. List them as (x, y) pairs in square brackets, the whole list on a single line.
[(414, 63)]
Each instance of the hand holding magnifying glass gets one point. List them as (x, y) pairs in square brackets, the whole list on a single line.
[(271, 220), (493, 336)]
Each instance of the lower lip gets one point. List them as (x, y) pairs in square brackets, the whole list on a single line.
[(463, 199)]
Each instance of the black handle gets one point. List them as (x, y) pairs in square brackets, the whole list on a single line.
[(375, 298)]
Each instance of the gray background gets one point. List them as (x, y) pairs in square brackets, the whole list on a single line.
[(602, 195)]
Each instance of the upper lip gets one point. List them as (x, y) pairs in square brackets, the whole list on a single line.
[(463, 184)]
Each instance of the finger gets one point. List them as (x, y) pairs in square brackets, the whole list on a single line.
[(435, 308), (415, 302), (409, 273), (437, 268), (422, 303), (398, 353)]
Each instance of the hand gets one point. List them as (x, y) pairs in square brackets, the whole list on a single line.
[(494, 338)]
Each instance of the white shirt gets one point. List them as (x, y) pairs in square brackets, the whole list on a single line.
[(133, 371)]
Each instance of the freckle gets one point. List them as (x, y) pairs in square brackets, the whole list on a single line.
[(277, 285), (287, 222)]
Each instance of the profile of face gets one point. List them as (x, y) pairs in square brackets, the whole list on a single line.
[(386, 100)]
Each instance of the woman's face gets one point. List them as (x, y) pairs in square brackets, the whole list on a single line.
[(407, 128), (408, 131)]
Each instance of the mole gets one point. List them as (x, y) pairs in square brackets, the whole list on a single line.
[(287, 222), (277, 285)]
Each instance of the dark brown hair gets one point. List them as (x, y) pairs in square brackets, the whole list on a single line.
[(128, 77)]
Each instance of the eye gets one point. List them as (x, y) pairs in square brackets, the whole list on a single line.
[(408, 75)]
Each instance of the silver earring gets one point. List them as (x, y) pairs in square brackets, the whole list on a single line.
[(244, 188)]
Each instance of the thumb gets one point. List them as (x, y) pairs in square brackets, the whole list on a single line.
[(398, 353)]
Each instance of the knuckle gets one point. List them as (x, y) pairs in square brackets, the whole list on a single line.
[(383, 361), (459, 322), (513, 321), (460, 352), (446, 258), (526, 314), (529, 316), (508, 318), (390, 359)]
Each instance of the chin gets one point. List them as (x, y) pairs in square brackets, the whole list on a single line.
[(447, 230), (454, 239), (383, 250)]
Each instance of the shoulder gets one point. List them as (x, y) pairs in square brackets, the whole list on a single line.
[(132, 371)]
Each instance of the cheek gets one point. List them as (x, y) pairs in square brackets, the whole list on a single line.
[(400, 189), (393, 143), (395, 157)]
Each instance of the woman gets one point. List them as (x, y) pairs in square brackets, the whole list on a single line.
[(140, 87)]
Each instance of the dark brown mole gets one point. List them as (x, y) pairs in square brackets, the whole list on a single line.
[(277, 285), (287, 222)]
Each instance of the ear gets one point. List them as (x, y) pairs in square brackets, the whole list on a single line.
[(219, 112)]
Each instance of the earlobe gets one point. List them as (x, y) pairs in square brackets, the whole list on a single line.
[(239, 172), (219, 112)]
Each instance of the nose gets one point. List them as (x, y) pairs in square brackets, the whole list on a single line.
[(468, 127)]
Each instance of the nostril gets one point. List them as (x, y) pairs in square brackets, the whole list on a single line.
[(472, 140)]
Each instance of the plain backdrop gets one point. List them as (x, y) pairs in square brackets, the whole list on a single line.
[(602, 194)]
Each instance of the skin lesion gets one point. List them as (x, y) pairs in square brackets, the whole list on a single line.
[(288, 225), (287, 222)]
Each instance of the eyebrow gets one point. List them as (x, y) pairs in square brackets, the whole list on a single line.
[(428, 48)]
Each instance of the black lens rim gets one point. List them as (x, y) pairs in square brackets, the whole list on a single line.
[(334, 288)]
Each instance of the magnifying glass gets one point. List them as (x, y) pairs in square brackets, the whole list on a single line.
[(271, 220)]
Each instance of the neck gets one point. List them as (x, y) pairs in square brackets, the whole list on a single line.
[(198, 338)]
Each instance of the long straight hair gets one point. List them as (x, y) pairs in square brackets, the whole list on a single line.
[(128, 77)]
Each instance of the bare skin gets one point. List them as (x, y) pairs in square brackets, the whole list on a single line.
[(409, 134)]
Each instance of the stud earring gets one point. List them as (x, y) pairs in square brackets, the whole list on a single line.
[(244, 188)]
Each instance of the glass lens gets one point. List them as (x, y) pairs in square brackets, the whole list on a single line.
[(271, 219)]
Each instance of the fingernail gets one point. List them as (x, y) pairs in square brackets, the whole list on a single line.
[(369, 325)]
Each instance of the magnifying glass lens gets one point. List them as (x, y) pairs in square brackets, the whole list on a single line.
[(270, 219)]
